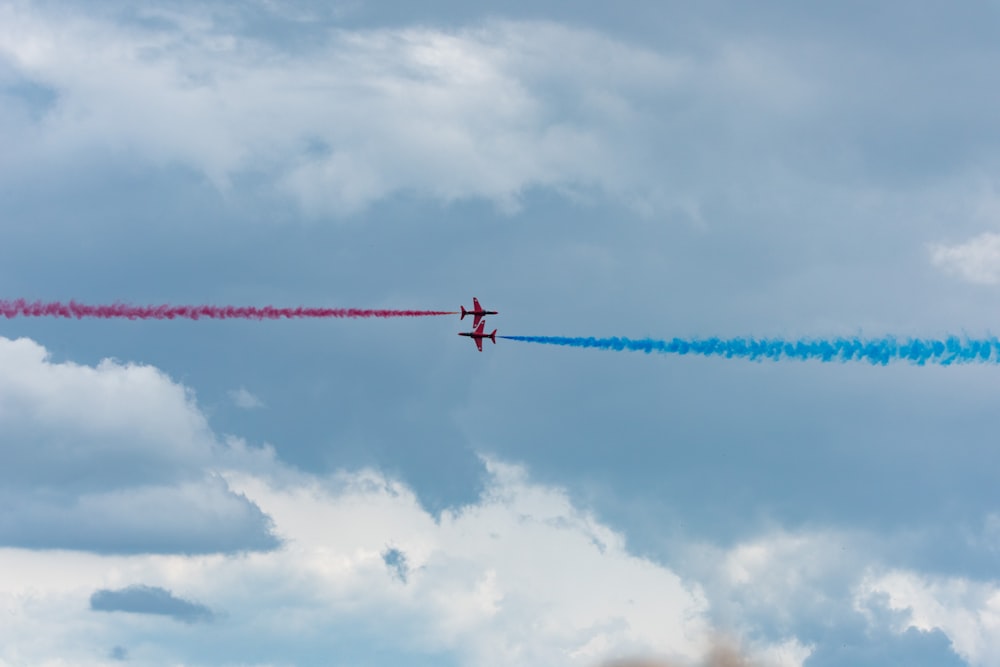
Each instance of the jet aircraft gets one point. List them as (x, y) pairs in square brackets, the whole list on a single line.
[(477, 312), (478, 335)]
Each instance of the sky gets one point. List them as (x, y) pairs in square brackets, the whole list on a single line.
[(376, 492)]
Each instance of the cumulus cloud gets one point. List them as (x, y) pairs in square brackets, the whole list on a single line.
[(139, 599), (115, 457), (975, 261), (967, 611), (520, 575), (813, 596), (511, 577), (780, 579)]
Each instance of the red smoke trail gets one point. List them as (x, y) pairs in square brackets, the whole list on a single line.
[(21, 308)]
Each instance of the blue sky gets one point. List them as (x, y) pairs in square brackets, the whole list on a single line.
[(376, 492)]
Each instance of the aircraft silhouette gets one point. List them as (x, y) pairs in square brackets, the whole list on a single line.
[(478, 335), (477, 312)]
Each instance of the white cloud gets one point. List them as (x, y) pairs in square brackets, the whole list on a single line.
[(115, 457), (122, 409), (967, 611), (486, 111), (521, 575), (975, 261), (779, 578), (242, 398), (789, 653)]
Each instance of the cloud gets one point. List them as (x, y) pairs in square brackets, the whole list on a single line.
[(967, 611), (519, 575), (115, 457), (342, 118), (510, 577), (975, 261), (139, 599), (791, 598), (244, 399), (829, 596), (487, 111), (196, 516)]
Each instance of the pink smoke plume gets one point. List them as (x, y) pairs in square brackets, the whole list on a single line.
[(22, 308)]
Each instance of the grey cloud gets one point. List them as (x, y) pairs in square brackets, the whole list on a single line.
[(497, 107), (202, 516), (487, 111), (139, 599), (445, 113), (34, 98)]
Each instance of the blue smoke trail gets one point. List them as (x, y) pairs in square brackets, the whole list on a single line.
[(877, 351)]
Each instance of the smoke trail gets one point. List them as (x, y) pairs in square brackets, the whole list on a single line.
[(878, 351), (22, 308), (721, 653)]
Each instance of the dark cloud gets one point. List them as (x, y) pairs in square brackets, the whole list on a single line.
[(139, 599)]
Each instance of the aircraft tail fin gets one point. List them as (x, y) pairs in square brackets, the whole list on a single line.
[(464, 312), (493, 336)]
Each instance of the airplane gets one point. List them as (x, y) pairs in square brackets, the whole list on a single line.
[(478, 335), (477, 311)]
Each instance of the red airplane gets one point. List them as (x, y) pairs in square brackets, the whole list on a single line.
[(477, 312), (478, 335)]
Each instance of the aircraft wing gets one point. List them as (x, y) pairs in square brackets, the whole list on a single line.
[(479, 343), (475, 320), (475, 304)]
